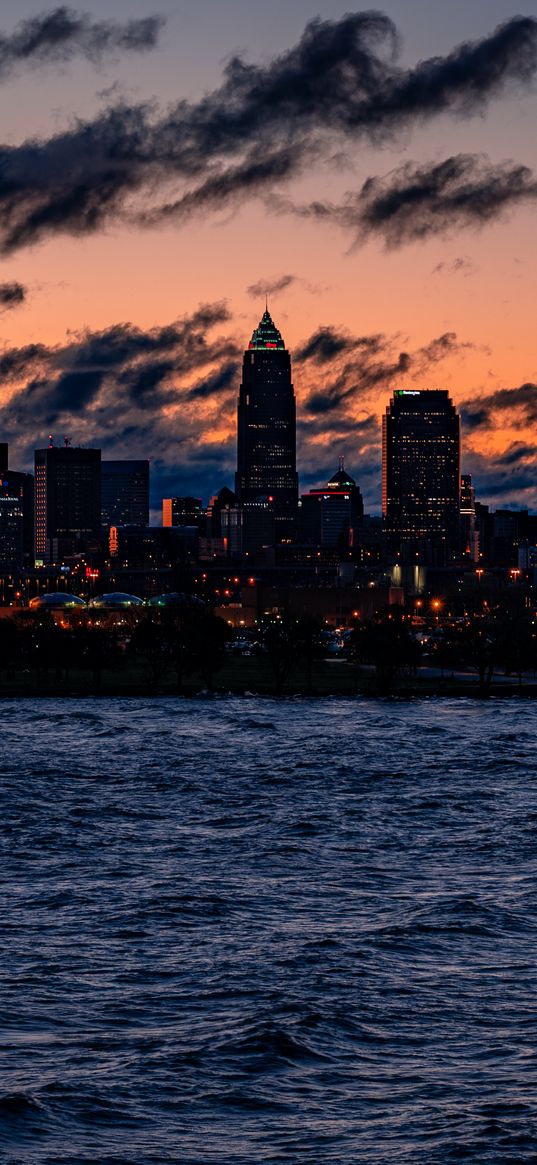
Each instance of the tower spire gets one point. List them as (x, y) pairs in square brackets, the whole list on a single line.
[(266, 335)]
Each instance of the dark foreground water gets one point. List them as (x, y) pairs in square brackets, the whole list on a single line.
[(244, 930)]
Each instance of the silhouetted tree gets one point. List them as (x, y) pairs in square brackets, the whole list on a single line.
[(386, 643), (309, 645), (10, 647), (281, 640), (149, 642), (207, 638), (480, 647)]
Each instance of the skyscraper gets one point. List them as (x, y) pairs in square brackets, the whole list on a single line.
[(20, 486), (266, 455), (125, 493), (469, 535), (331, 517), (11, 528), (67, 500), (421, 472)]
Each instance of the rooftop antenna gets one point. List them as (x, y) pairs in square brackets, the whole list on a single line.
[(266, 300), (342, 464), (67, 442), (50, 441)]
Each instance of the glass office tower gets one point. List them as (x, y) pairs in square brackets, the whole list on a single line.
[(421, 472), (266, 454)]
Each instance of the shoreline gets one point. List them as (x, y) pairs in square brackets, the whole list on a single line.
[(499, 690)]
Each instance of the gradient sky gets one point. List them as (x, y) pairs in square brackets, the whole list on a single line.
[(364, 304)]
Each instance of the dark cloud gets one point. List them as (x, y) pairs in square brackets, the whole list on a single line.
[(63, 33), (474, 418), (219, 190), (417, 202), (345, 368), (158, 393), (328, 342), (480, 412), (517, 454), (341, 80), (11, 295), (270, 286), (438, 349), (221, 381), (18, 363), (508, 478)]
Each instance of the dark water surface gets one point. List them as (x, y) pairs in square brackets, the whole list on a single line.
[(243, 930)]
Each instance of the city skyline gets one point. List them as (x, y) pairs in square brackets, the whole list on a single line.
[(366, 307)]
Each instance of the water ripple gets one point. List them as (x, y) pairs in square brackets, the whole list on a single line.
[(244, 931)]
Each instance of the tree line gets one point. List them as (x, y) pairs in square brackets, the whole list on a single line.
[(183, 650)]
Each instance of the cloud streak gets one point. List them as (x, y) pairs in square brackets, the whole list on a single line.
[(416, 202), (345, 369), (12, 295), (274, 286), (61, 34), (341, 81), (521, 402)]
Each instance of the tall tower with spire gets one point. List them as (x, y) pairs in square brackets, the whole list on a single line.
[(266, 453)]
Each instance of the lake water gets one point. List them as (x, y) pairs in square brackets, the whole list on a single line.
[(248, 930)]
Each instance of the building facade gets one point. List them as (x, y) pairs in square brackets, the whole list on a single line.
[(11, 529), (469, 533), (421, 473), (266, 453), (332, 517), (185, 511), (124, 493), (67, 500)]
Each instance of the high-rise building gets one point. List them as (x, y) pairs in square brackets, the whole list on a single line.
[(67, 500), (11, 528), (19, 486), (183, 512), (469, 533), (421, 472), (124, 493), (266, 455), (331, 517), (247, 529)]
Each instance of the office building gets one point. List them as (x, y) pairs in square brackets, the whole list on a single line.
[(67, 501), (332, 516), (266, 454), (249, 528), (124, 493), (468, 526), (11, 529), (185, 511), (421, 473), (20, 486)]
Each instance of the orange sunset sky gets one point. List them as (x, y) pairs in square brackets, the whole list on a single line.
[(459, 303)]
